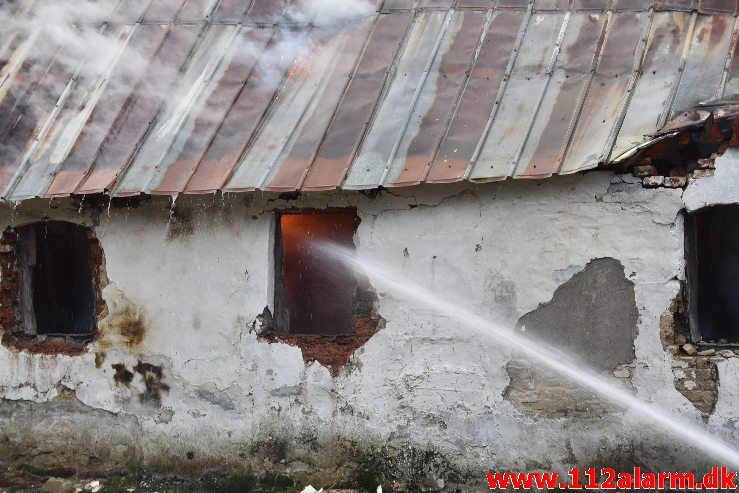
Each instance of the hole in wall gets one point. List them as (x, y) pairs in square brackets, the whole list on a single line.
[(50, 291), (315, 293), (712, 249), (321, 305)]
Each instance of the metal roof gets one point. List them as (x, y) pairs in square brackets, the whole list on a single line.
[(419, 91)]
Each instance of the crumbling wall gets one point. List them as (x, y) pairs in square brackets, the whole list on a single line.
[(698, 368), (694, 368), (331, 351), (11, 317), (9, 284), (697, 379), (593, 317), (179, 361)]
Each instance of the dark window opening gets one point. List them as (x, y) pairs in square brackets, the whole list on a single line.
[(56, 292), (712, 247), (315, 294)]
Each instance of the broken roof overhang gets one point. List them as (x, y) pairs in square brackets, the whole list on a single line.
[(717, 116), (691, 140), (415, 92)]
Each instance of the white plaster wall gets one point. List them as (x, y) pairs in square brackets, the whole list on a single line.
[(423, 381)]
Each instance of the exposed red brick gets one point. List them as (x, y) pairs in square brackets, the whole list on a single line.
[(734, 142), (9, 290), (331, 351), (9, 284), (334, 347), (37, 346), (711, 132)]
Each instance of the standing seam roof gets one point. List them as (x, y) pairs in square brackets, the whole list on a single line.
[(425, 91)]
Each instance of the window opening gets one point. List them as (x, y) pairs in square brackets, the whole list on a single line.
[(315, 294), (712, 247), (57, 293)]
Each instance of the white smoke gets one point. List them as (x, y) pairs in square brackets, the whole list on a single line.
[(86, 32), (76, 28), (327, 12), (85, 37), (314, 19)]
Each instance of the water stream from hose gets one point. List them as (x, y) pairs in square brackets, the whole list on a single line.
[(538, 352)]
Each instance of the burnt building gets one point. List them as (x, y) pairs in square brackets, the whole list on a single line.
[(167, 168)]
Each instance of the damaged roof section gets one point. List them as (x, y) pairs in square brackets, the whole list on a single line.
[(687, 145), (200, 96)]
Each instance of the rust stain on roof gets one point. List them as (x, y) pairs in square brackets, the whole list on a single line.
[(414, 91)]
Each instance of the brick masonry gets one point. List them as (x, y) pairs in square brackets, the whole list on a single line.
[(9, 303)]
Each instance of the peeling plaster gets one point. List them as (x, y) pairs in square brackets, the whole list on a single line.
[(726, 407), (722, 187), (423, 381)]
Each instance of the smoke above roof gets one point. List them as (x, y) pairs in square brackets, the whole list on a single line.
[(85, 38)]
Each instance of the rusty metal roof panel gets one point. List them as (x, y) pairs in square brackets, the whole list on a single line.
[(175, 119), (266, 11), (427, 120), (308, 78), (513, 4), (591, 4), (281, 154), (500, 149), (340, 143), (718, 6), (544, 5), (731, 80), (94, 11), (705, 62), (435, 3), (675, 5), (141, 110), (75, 107), (398, 4), (86, 137), (219, 84), (479, 97), (22, 56), (197, 10), (130, 11), (307, 137), (660, 73), (620, 5), (231, 11), (376, 152), (607, 98), (240, 125), (197, 96), (557, 114), (30, 91), (163, 10), (475, 3)]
